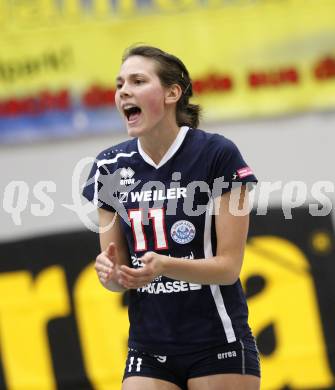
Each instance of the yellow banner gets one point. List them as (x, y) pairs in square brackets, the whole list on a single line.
[(247, 58)]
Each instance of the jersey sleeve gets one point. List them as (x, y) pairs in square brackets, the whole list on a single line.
[(228, 168), (99, 186)]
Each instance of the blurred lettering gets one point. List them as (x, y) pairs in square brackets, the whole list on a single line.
[(16, 199), (299, 358), (39, 191), (103, 330), (29, 305)]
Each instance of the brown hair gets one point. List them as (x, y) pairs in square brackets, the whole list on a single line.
[(171, 70)]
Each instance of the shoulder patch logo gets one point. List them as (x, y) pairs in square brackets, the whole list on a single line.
[(243, 172), (182, 232)]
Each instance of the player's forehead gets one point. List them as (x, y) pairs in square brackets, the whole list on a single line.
[(137, 65)]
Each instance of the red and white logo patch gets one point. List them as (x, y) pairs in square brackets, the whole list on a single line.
[(243, 172)]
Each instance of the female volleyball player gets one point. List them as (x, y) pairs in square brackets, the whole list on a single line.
[(174, 240)]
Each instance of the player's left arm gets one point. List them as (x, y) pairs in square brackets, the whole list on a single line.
[(223, 268)]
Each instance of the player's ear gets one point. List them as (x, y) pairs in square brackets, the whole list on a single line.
[(173, 94)]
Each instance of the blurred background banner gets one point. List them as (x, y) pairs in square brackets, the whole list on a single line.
[(59, 59)]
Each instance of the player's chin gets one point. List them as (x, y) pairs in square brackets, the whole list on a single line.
[(135, 131)]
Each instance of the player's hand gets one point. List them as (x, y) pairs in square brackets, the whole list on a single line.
[(153, 265), (106, 266)]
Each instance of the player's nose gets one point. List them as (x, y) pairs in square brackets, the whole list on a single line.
[(125, 90)]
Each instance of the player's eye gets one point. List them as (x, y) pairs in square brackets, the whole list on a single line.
[(118, 85), (138, 81)]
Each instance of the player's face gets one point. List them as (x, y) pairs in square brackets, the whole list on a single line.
[(140, 96)]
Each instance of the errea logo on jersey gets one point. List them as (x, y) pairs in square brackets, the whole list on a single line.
[(127, 174), (225, 355)]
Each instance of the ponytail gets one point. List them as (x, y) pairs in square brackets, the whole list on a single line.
[(188, 115)]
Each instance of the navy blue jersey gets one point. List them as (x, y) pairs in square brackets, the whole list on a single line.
[(167, 208)]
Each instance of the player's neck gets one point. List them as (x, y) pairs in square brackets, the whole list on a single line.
[(158, 141)]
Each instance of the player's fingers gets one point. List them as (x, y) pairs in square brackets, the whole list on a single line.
[(106, 270), (113, 273), (126, 277), (127, 270), (148, 256), (139, 284), (111, 251), (109, 276), (102, 265), (129, 281), (144, 260), (103, 260), (136, 273), (123, 281), (130, 271), (130, 285), (102, 276)]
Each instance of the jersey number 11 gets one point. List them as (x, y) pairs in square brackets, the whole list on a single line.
[(158, 224)]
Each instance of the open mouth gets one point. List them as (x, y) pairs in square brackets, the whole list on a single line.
[(132, 113)]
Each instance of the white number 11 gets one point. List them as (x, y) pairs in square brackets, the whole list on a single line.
[(138, 365), (158, 218)]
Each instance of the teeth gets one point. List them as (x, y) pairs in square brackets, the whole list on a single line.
[(128, 106)]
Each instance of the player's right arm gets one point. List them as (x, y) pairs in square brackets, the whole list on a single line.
[(114, 251)]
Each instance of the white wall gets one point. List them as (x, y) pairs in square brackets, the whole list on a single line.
[(295, 148)]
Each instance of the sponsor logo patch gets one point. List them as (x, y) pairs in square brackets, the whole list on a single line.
[(123, 198), (182, 232), (126, 176), (243, 172)]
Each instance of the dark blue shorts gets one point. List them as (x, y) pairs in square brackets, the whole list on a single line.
[(240, 357)]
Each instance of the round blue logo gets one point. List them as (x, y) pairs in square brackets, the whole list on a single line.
[(182, 232)]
